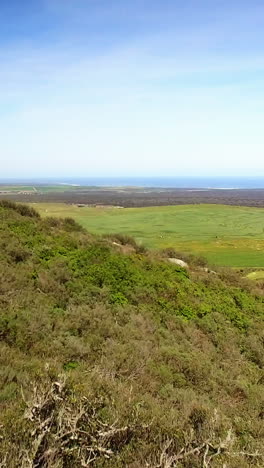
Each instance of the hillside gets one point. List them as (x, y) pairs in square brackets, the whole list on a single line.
[(112, 357)]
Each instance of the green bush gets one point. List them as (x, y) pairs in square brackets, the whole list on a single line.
[(71, 225), (23, 210)]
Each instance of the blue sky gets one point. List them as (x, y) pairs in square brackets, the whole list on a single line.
[(139, 87)]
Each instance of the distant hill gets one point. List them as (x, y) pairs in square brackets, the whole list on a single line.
[(110, 356)]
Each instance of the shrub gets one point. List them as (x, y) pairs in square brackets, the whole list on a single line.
[(50, 221), (123, 239), (23, 210), (19, 254), (71, 225)]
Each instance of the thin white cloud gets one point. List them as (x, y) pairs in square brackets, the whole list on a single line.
[(156, 99)]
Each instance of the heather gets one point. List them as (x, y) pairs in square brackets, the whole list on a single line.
[(110, 356)]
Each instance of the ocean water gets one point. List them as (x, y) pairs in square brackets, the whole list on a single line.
[(162, 182), (176, 182)]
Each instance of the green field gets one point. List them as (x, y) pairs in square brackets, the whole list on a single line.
[(37, 188), (17, 188), (225, 235), (63, 187)]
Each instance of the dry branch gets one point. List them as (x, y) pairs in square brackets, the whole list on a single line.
[(207, 452), (62, 431)]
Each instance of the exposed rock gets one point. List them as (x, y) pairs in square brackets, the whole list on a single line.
[(178, 261), (207, 270)]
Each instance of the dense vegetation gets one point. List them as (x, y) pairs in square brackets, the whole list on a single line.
[(130, 196), (110, 356)]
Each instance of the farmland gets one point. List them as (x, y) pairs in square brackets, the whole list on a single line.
[(39, 189), (130, 197), (224, 235)]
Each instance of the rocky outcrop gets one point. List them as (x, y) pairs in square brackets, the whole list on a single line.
[(178, 261)]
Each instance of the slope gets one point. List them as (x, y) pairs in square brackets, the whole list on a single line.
[(114, 359)]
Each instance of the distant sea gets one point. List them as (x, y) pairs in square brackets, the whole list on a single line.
[(162, 182)]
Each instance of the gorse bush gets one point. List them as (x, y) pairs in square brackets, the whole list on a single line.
[(116, 358), (23, 210), (125, 241), (71, 225)]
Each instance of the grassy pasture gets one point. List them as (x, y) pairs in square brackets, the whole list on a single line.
[(37, 188), (17, 188), (55, 188), (225, 235)]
